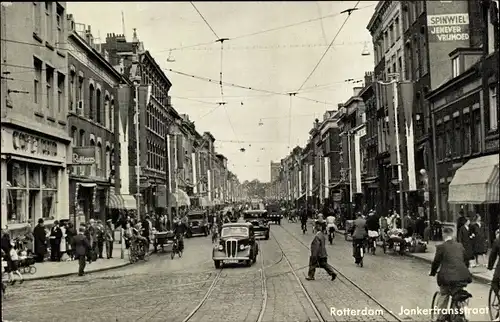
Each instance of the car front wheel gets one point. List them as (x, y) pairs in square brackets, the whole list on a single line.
[(217, 264), (248, 263)]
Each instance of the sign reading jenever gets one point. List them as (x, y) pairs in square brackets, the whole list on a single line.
[(449, 27)]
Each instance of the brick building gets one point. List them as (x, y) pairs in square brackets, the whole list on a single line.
[(35, 145)]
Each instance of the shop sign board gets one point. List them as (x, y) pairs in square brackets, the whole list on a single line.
[(18, 142), (448, 27), (84, 155)]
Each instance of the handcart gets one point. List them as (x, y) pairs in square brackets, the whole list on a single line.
[(394, 240), (162, 239)]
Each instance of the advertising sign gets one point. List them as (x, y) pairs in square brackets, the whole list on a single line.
[(84, 155), (448, 27)]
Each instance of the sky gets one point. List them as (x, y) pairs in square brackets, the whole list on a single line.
[(266, 121)]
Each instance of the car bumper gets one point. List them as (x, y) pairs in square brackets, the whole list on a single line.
[(261, 233)]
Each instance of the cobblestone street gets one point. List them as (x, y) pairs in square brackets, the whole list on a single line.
[(169, 290)]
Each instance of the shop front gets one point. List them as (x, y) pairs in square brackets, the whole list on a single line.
[(474, 189), (34, 179)]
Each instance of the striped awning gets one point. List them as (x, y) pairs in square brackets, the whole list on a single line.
[(476, 182), (180, 199), (117, 201)]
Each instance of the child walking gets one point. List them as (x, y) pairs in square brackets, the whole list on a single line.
[(14, 269)]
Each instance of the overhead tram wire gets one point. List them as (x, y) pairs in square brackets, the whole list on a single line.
[(262, 31), (206, 79), (206, 22), (349, 12)]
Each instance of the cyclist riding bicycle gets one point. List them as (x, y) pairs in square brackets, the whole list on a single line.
[(495, 253), (321, 221), (359, 232), (373, 226), (331, 227), (180, 229), (453, 275)]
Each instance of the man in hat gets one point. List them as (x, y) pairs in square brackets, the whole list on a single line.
[(55, 242), (81, 246), (109, 238), (319, 256)]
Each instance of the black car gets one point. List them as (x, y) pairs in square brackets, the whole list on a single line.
[(236, 245), (274, 214), (259, 220), (197, 223)]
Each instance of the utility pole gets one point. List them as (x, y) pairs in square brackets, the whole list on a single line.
[(137, 151)]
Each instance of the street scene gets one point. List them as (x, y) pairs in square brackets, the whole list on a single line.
[(254, 161)]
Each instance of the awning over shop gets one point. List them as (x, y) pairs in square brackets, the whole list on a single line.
[(117, 201), (476, 182), (180, 198), (204, 202)]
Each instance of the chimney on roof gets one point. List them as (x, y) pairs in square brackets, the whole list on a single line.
[(368, 78)]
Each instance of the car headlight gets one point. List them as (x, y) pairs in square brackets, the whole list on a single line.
[(243, 247), (220, 247)]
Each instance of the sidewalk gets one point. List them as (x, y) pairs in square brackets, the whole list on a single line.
[(480, 274), (47, 269)]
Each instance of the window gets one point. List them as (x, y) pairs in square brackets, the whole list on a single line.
[(386, 42), (60, 24), (49, 80), (98, 160), (74, 137), (396, 28), (415, 9), (112, 116), (400, 67), (491, 26), (440, 142), (98, 107), (107, 162), (406, 17), (416, 59), (423, 54), (457, 148), (493, 112), (408, 59), (37, 91), (72, 91), (106, 112), (60, 91), (81, 139), (37, 18), (466, 133), (391, 35), (91, 101), (79, 92), (476, 130), (455, 67), (48, 21)]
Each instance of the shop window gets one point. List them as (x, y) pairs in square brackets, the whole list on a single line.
[(49, 178), (34, 176), (49, 199), (16, 175), (16, 206), (457, 149)]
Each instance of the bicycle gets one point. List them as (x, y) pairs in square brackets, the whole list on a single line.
[(359, 248), (176, 249), (494, 305), (457, 306)]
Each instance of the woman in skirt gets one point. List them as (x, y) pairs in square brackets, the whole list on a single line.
[(478, 241)]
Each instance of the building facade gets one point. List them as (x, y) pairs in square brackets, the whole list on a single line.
[(275, 171), (92, 116), (35, 147)]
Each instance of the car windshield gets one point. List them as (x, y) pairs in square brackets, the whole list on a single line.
[(255, 207), (234, 232), (195, 217)]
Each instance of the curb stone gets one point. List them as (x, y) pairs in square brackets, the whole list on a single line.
[(476, 277), (38, 278)]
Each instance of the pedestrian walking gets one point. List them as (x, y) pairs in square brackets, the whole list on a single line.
[(82, 246), (40, 238), (464, 237), (479, 248), (109, 239), (14, 264), (100, 238), (70, 234), (29, 238), (319, 256), (494, 255)]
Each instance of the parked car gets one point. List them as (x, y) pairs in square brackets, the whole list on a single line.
[(236, 245), (259, 220), (274, 214), (197, 223)]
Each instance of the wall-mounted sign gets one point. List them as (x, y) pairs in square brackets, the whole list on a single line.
[(84, 155), (448, 27), (33, 144)]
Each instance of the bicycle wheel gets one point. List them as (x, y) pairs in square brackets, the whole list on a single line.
[(433, 304), (32, 270), (493, 305)]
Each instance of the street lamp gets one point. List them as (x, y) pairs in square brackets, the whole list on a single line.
[(394, 82)]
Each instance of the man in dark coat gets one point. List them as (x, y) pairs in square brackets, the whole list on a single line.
[(146, 229), (451, 260), (40, 237), (319, 256), (494, 254), (55, 242), (359, 235), (81, 246)]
